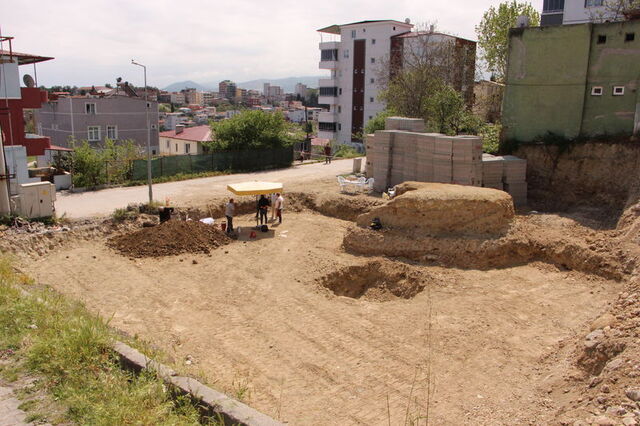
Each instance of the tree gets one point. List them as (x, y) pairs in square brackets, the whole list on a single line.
[(377, 122), (493, 33), (427, 62), (616, 10), (252, 129)]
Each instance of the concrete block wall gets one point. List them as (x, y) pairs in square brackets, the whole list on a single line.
[(396, 156)]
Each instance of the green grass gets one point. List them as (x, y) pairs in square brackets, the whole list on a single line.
[(43, 333)]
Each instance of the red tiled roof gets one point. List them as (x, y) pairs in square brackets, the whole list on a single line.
[(196, 134)]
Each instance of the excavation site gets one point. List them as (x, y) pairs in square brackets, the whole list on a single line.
[(458, 309)]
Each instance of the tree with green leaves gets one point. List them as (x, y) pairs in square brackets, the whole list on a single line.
[(493, 33), (377, 122), (252, 129)]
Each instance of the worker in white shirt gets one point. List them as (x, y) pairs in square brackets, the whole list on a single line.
[(273, 199), (279, 205), (229, 212)]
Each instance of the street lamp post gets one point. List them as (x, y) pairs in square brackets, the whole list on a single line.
[(146, 101)]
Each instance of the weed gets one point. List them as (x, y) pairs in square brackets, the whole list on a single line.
[(71, 349), (241, 390), (35, 418), (27, 405)]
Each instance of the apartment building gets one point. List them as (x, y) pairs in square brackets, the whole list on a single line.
[(565, 12), (355, 54), (193, 97), (227, 89), (96, 118)]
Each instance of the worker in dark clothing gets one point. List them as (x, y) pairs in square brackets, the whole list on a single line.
[(327, 154), (263, 207)]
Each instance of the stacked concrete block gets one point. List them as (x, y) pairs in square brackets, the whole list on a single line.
[(515, 178), (442, 159), (369, 142), (466, 160), (492, 171), (404, 123), (424, 156), (381, 158)]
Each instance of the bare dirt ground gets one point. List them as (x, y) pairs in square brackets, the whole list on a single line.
[(312, 334)]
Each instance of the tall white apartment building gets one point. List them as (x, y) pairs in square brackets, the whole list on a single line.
[(566, 12), (356, 56)]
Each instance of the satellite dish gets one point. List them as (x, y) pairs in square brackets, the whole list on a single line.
[(407, 21), (28, 81), (119, 79)]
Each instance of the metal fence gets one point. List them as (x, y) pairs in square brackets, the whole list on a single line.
[(236, 161)]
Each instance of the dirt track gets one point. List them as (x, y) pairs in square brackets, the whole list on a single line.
[(257, 313)]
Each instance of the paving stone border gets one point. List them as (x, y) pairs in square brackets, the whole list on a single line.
[(213, 402)]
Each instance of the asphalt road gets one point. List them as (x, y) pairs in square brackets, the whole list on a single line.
[(100, 203)]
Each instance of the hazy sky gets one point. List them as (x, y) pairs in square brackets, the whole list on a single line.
[(93, 41)]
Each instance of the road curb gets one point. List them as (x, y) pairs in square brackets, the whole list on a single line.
[(212, 401)]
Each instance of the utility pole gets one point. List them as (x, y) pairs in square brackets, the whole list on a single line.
[(146, 102)]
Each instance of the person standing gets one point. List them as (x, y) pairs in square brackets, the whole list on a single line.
[(279, 206), (229, 212), (263, 206), (273, 197), (327, 153)]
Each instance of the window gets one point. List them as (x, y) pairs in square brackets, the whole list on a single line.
[(176, 147), (371, 99), (364, 30), (339, 126), (370, 117), (329, 55), (372, 80), (148, 104), (168, 144), (90, 108), (394, 28), (373, 41), (112, 132), (353, 33), (596, 91), (373, 60), (593, 3), (339, 91), (93, 133), (629, 37), (345, 53), (618, 90), (187, 148), (553, 5), (339, 109), (602, 39)]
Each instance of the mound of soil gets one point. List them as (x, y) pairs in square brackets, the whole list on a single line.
[(444, 210), (170, 238), (378, 281)]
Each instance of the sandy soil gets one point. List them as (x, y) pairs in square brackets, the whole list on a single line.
[(473, 346)]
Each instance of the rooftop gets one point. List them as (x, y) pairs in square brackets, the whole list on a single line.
[(196, 134), (335, 29), (25, 58)]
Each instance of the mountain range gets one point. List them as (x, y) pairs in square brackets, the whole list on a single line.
[(288, 84)]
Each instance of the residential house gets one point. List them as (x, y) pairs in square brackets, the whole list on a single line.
[(572, 80), (355, 52), (185, 141), (97, 118)]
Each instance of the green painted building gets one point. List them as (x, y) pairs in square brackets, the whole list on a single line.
[(573, 80)]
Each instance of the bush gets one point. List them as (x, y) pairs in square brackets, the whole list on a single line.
[(111, 163), (345, 151), (377, 122), (490, 133)]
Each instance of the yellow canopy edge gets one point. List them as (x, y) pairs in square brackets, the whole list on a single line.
[(255, 188)]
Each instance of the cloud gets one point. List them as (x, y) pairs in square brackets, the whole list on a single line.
[(201, 40)]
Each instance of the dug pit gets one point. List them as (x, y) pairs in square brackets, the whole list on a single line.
[(375, 281)]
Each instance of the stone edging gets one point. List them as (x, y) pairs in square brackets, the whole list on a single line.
[(231, 410)]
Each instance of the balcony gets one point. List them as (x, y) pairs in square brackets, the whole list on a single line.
[(326, 130), (328, 95), (327, 82), (329, 45), (329, 56), (327, 117)]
